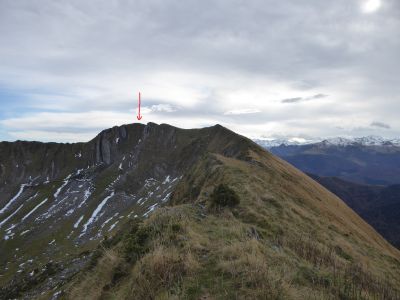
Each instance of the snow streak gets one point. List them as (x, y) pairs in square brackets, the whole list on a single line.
[(77, 222), (13, 199), (10, 216), (62, 186), (34, 209), (96, 212)]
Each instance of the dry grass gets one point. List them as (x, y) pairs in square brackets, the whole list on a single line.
[(159, 272), (93, 283), (251, 271), (332, 270), (287, 239)]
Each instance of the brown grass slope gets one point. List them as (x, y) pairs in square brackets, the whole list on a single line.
[(288, 238)]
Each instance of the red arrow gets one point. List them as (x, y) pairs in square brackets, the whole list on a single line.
[(139, 117)]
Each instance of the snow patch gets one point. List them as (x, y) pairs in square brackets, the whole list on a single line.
[(96, 212), (62, 186), (56, 294), (167, 180), (34, 209), (165, 199), (52, 210), (24, 232), (108, 220), (111, 185), (77, 222), (150, 209), (70, 234), (10, 216), (86, 196), (8, 230), (149, 182), (21, 189), (113, 226)]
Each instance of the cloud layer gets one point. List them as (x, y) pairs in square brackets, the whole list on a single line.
[(71, 68)]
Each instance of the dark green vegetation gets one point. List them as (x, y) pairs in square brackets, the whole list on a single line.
[(223, 196), (276, 234)]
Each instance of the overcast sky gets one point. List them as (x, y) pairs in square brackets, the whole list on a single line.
[(298, 68)]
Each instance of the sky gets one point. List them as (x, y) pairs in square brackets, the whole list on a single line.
[(263, 68)]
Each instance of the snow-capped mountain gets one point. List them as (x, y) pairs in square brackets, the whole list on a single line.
[(336, 141), (365, 160), (276, 142), (363, 141)]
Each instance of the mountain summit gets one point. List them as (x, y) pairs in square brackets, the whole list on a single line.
[(154, 211)]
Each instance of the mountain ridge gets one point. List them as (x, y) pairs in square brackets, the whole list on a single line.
[(159, 173)]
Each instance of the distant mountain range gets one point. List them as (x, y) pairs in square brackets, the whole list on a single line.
[(364, 172), (338, 141), (369, 160)]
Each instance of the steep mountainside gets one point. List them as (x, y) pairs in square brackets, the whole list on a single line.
[(378, 205), (63, 198), (288, 237), (356, 162)]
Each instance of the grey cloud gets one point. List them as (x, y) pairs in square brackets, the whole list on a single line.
[(319, 96), (301, 99), (380, 125), (292, 100), (291, 30), (84, 48)]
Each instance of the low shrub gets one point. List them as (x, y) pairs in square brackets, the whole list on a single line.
[(223, 196), (134, 244)]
